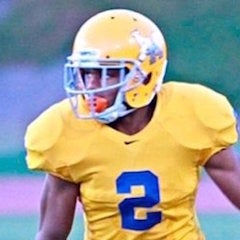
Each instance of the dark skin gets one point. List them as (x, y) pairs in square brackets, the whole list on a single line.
[(59, 197), (58, 203), (224, 169)]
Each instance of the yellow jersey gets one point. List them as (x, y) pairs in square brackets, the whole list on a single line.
[(143, 186)]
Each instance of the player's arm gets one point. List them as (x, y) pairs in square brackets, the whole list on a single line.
[(224, 169), (58, 204)]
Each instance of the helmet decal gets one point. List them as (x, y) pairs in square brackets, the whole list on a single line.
[(148, 47)]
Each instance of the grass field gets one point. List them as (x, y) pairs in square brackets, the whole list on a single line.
[(21, 227)]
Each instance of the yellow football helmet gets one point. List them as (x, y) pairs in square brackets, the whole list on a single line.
[(116, 39)]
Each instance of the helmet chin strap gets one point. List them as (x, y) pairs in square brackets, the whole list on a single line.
[(111, 116)]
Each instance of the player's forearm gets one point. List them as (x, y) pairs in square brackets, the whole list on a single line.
[(233, 191), (230, 186)]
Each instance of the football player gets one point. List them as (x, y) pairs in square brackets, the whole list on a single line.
[(126, 146)]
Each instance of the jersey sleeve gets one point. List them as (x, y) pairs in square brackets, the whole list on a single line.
[(199, 118), (217, 116), (41, 138)]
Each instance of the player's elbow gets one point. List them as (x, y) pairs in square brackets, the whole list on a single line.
[(51, 235)]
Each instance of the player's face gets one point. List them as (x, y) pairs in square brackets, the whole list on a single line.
[(93, 79)]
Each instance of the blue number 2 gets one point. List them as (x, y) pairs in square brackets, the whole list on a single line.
[(150, 183)]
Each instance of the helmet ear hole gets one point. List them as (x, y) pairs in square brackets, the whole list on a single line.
[(147, 79), (126, 70)]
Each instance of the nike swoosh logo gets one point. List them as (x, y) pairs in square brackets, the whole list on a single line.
[(130, 142)]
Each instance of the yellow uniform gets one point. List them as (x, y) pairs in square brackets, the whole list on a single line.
[(143, 186)]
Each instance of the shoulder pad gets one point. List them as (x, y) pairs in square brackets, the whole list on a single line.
[(45, 130), (213, 109), (197, 116)]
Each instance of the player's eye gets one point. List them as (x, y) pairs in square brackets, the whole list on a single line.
[(113, 73), (87, 71)]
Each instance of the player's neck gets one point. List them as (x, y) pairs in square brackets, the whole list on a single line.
[(135, 121)]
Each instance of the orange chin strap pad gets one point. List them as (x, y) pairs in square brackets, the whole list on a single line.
[(99, 104)]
